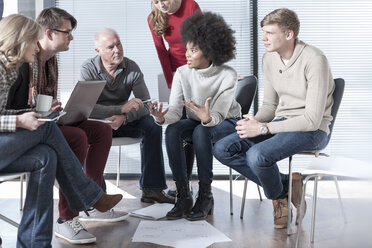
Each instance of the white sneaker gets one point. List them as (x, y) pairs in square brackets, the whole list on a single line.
[(74, 232), (108, 216)]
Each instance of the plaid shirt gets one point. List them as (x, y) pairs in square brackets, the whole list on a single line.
[(8, 76)]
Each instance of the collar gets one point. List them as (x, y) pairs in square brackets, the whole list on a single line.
[(98, 64), (207, 72)]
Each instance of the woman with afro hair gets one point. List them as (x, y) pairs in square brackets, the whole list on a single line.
[(206, 87)]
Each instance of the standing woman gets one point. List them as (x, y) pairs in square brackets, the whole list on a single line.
[(165, 22), (206, 87)]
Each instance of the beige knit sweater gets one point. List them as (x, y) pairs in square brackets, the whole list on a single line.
[(301, 91)]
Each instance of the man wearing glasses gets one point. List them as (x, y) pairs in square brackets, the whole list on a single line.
[(89, 140)]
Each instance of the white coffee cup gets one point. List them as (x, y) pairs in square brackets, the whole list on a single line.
[(43, 103)]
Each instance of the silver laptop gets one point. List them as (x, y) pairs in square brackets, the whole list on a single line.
[(81, 102)]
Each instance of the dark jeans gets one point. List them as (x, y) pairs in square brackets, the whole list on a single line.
[(152, 161), (256, 158), (202, 138), (46, 155)]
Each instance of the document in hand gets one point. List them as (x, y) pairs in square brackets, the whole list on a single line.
[(153, 212)]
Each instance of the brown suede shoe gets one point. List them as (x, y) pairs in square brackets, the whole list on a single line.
[(106, 202), (150, 196), (297, 185), (281, 213)]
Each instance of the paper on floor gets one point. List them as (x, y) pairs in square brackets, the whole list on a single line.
[(179, 233), (155, 211)]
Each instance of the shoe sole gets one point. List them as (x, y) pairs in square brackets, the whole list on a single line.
[(80, 241), (279, 226), (150, 200), (121, 218), (173, 218)]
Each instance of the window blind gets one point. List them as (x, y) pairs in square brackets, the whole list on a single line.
[(129, 19)]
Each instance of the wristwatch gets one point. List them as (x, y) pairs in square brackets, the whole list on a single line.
[(126, 119), (264, 130)]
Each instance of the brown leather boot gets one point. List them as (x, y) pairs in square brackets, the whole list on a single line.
[(281, 213), (106, 202)]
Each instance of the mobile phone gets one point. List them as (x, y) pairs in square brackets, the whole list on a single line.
[(54, 116), (148, 100)]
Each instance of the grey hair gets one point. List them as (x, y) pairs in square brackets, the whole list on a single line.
[(109, 31)]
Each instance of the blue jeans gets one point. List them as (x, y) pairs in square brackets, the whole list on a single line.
[(203, 139), (152, 161), (46, 155), (256, 158)]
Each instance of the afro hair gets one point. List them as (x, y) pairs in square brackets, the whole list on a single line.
[(210, 32)]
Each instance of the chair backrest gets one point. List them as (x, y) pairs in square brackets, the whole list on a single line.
[(337, 96), (245, 92)]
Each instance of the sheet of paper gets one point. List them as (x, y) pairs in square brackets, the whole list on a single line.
[(155, 211), (179, 233)]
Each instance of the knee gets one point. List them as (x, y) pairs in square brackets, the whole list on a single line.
[(149, 126), (46, 158), (172, 131), (103, 133), (76, 138), (219, 150), (224, 150), (255, 157), (200, 132)]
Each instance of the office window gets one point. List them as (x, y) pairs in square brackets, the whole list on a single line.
[(129, 19)]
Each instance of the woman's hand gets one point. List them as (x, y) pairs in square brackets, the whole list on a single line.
[(201, 111), (157, 112), (29, 121), (56, 106)]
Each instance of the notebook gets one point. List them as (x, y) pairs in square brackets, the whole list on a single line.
[(81, 102)]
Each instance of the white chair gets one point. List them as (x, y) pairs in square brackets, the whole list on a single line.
[(331, 167), (7, 177), (122, 141)]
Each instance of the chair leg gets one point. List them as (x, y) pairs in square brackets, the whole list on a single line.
[(315, 196), (243, 198), (289, 219), (259, 192), (6, 219), (118, 168), (21, 200), (231, 192), (340, 200)]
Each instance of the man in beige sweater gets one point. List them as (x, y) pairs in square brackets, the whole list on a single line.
[(294, 117)]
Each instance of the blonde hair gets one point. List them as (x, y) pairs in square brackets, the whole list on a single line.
[(17, 32), (286, 19), (158, 20)]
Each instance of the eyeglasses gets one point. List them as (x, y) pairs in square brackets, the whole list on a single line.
[(67, 33)]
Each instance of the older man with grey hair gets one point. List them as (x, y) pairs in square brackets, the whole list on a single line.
[(130, 117)]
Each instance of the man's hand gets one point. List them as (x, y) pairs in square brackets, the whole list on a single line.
[(157, 112), (29, 121), (248, 127), (117, 121), (201, 111), (56, 106), (134, 103)]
